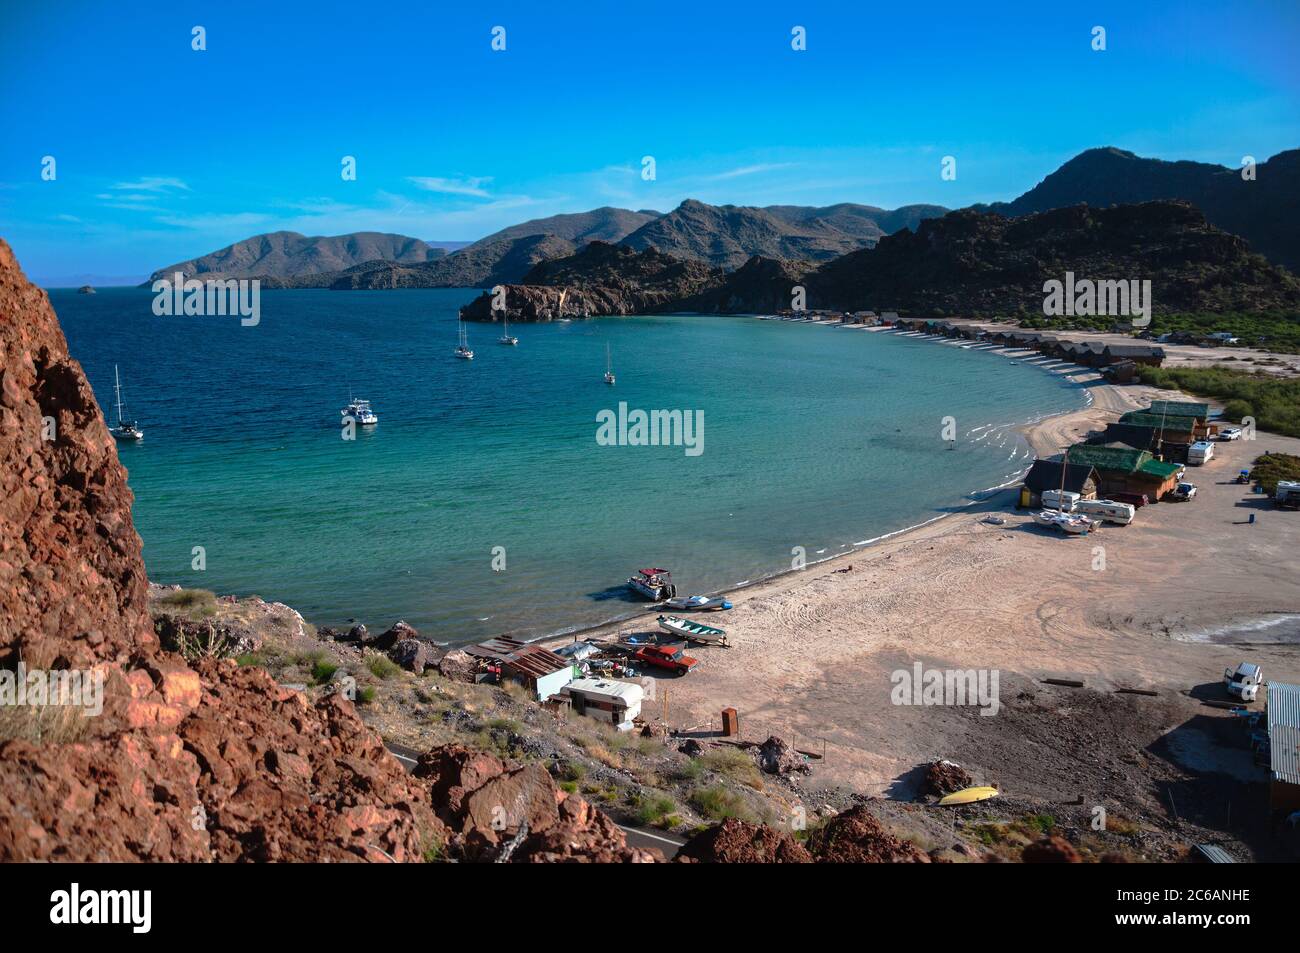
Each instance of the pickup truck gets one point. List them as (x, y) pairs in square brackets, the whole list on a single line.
[(665, 656)]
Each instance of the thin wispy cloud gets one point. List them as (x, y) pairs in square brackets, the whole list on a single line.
[(465, 185), (751, 170), (152, 183)]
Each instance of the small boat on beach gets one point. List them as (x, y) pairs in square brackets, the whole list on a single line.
[(693, 631), (462, 348), (697, 603), (359, 410), (125, 429), (654, 584), (609, 367), (1064, 522)]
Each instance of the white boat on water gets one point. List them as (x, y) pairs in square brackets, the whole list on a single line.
[(506, 336), (360, 412), (609, 367), (125, 429), (654, 584), (462, 348)]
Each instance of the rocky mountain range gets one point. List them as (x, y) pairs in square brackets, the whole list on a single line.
[(972, 263), (1263, 210), (729, 235), (290, 255)]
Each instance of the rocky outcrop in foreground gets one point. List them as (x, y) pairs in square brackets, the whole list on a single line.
[(198, 762), (855, 836)]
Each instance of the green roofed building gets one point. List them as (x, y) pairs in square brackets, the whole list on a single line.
[(1126, 470), (1174, 428), (1176, 408)]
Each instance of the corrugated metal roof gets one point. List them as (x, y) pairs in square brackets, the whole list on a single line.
[(1284, 731), (1142, 418), (1215, 854), (522, 657)]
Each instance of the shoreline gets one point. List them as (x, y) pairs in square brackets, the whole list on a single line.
[(1037, 435)]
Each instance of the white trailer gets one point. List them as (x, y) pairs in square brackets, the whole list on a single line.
[(605, 699), (1200, 453), (1108, 510), (1244, 681)]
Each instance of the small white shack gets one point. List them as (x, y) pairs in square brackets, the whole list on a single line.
[(605, 699)]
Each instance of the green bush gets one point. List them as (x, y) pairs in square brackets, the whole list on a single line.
[(1272, 467), (381, 666), (1274, 400), (322, 671), (717, 803)]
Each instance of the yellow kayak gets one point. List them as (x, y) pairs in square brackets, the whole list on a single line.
[(968, 796)]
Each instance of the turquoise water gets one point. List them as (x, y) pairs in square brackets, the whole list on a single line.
[(813, 437)]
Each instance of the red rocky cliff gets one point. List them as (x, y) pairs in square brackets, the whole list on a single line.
[(205, 762)]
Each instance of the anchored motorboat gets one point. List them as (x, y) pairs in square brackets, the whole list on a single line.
[(360, 412), (654, 584)]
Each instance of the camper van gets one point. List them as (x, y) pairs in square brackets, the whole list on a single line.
[(1058, 500), (1287, 495), (1108, 510), (1200, 453), (615, 703)]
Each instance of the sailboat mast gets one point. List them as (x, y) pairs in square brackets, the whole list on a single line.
[(117, 386)]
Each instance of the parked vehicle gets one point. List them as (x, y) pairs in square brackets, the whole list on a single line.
[(1139, 500), (1287, 495), (1244, 681), (1183, 492), (1230, 433), (1243, 476), (1112, 511), (1064, 501), (1200, 453), (654, 584), (665, 657)]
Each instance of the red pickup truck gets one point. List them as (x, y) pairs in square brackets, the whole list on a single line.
[(663, 656)]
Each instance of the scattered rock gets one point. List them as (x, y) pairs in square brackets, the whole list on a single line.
[(691, 747), (414, 655), (458, 665), (738, 842), (856, 837), (358, 633), (1050, 850), (944, 777), (776, 757)]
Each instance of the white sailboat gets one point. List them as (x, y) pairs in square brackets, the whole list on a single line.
[(125, 429), (462, 349), (506, 336), (609, 367)]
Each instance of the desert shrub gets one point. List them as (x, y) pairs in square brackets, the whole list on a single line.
[(717, 803), (381, 666)]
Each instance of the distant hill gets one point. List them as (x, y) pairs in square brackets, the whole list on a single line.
[(729, 235), (600, 224), (968, 263), (1265, 212), (289, 255), (479, 266)]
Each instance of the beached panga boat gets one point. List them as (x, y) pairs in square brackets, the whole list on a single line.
[(1074, 525), (697, 603), (654, 584), (693, 631)]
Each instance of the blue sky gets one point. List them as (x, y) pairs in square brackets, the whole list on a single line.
[(164, 153)]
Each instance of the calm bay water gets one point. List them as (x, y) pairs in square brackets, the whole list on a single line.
[(813, 437)]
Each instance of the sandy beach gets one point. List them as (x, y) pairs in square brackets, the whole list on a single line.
[(813, 651)]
